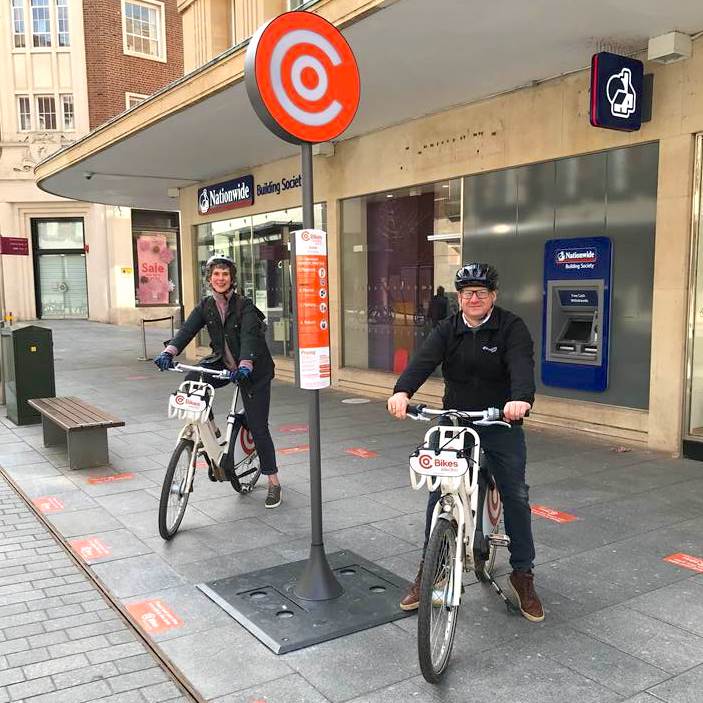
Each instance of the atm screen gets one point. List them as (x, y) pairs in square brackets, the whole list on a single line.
[(578, 330)]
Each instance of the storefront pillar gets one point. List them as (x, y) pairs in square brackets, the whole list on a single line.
[(669, 308)]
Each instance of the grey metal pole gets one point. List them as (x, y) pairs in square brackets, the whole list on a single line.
[(317, 581), (143, 357)]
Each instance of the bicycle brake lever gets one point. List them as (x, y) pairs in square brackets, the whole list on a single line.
[(487, 423)]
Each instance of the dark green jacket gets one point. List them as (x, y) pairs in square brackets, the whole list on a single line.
[(245, 336)]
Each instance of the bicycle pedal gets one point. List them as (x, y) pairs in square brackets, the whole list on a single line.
[(497, 540)]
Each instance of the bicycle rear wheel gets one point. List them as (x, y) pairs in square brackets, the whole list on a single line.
[(492, 523), (246, 475), (436, 624), (174, 498)]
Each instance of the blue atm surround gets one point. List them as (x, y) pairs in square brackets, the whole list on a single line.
[(576, 313)]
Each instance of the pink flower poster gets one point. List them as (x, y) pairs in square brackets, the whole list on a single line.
[(153, 258)]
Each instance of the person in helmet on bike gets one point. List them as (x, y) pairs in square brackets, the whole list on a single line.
[(487, 358), (238, 344)]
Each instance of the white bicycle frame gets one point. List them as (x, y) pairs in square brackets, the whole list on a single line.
[(458, 493), (200, 430)]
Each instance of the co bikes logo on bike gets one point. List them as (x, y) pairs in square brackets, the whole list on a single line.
[(428, 462)]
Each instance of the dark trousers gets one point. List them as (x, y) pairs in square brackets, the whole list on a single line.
[(506, 456), (256, 408)]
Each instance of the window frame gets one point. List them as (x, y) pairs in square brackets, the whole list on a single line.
[(58, 5), (128, 96), (28, 98), (160, 9), (51, 97), (16, 5), (32, 45), (64, 128)]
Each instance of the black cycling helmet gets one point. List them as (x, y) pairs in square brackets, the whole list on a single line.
[(222, 261), (476, 274)]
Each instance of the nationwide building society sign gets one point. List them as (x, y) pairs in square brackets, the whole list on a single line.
[(240, 192)]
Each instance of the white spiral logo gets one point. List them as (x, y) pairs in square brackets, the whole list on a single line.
[(284, 45)]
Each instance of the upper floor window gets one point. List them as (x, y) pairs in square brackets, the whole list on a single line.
[(295, 4), (143, 25), (62, 22), (69, 121), (41, 23), (46, 112), (132, 99), (24, 113), (18, 38)]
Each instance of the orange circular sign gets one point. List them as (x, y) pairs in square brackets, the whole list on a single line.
[(302, 78)]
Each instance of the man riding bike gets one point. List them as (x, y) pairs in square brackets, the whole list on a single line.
[(238, 344), (487, 360)]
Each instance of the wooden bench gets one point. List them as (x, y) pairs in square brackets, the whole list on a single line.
[(79, 426)]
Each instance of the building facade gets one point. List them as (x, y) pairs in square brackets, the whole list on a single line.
[(498, 179), (68, 67)]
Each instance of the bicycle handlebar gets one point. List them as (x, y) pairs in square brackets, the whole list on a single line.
[(489, 416), (182, 368)]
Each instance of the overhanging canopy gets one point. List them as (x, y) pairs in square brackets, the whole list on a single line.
[(415, 57)]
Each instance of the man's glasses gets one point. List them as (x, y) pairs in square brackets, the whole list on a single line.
[(480, 294)]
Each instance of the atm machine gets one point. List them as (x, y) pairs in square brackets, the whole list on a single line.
[(576, 313)]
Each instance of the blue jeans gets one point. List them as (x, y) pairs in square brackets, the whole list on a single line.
[(507, 455)]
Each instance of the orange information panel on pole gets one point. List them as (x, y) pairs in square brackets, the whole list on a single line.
[(312, 295)]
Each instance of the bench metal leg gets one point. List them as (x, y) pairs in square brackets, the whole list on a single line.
[(53, 434), (87, 448)]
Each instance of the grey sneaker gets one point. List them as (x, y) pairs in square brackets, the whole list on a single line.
[(273, 497)]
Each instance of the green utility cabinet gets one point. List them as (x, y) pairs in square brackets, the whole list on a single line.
[(27, 369)]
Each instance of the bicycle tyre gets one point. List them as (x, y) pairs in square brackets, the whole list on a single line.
[(435, 586), (168, 521)]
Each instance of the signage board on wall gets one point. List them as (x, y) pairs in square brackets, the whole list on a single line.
[(312, 318), (238, 192), (18, 246), (616, 91)]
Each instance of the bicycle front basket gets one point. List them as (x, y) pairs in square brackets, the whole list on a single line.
[(192, 401)]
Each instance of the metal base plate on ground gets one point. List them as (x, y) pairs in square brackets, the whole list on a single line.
[(264, 602)]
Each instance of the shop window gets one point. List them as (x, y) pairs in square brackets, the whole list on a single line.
[(62, 22), (68, 114), (260, 248), (143, 29), (156, 271), (19, 40), (41, 24), (46, 112), (24, 113), (400, 251)]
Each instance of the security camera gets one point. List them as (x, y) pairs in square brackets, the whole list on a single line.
[(88, 175)]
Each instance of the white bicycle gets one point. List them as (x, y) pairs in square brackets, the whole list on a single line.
[(232, 459), (466, 525)]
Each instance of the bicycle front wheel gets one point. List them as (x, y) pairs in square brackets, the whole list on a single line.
[(436, 624), (174, 497)]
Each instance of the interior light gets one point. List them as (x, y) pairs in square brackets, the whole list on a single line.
[(501, 229)]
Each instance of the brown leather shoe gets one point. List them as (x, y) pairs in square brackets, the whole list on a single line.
[(411, 599), (523, 587)]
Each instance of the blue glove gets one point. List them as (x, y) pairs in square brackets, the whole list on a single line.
[(164, 361), (243, 373)]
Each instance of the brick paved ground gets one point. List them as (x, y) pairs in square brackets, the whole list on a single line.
[(622, 624), (60, 640)]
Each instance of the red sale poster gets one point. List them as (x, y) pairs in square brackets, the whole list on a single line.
[(153, 258)]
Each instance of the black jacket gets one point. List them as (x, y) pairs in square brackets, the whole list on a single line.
[(245, 340), (482, 368)]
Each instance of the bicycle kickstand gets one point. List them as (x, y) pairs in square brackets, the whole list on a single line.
[(512, 608)]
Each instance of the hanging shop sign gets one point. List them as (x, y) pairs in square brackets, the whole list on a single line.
[(228, 195), (616, 91), (302, 78), (313, 308)]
